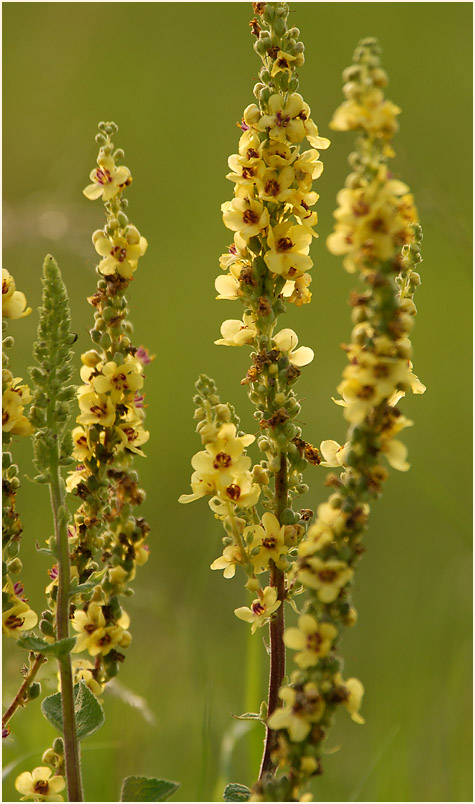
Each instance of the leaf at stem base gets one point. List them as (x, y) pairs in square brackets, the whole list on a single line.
[(141, 788)]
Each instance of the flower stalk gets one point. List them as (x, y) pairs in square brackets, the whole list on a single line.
[(107, 540), (22, 693), (267, 268)]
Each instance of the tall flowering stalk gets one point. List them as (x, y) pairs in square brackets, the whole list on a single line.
[(266, 268), (107, 540), (377, 232)]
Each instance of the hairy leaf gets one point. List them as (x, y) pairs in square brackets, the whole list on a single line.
[(141, 788), (89, 713)]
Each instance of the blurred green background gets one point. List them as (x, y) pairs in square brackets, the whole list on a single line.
[(176, 77)]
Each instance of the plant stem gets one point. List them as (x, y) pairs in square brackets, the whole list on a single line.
[(71, 743), (18, 699), (276, 627)]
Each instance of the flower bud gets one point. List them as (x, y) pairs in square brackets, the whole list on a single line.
[(34, 690), (15, 566)]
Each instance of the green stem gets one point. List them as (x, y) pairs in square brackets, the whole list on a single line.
[(276, 627), (71, 743)]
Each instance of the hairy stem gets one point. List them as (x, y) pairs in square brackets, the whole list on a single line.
[(71, 743), (18, 699), (276, 627)]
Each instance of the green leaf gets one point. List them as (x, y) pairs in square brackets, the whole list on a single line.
[(89, 714), (248, 716), (44, 549), (236, 792), (39, 645), (141, 788), (89, 584)]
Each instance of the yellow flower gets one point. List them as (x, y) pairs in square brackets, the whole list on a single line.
[(246, 216), (330, 516), (285, 121), (354, 695), (372, 222), (289, 245), (302, 707), (82, 450), (267, 541), (232, 555), (242, 491), (108, 180), (273, 185), (297, 292), (319, 535), (236, 253), (224, 455), (326, 577), (244, 170), (307, 168), (286, 62), (40, 785), (14, 398), (18, 618), (353, 702), (83, 670), (13, 301), (74, 478), (286, 341), (94, 635), (311, 638), (228, 286), (238, 333), (373, 113), (201, 486), (333, 453), (277, 154), (260, 610), (132, 435), (121, 382), (222, 468), (396, 454), (120, 253), (95, 408)]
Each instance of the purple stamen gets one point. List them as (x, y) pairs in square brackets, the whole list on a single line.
[(143, 355)]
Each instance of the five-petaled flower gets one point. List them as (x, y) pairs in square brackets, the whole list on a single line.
[(40, 785)]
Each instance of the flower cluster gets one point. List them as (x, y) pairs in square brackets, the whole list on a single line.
[(107, 541), (271, 212), (17, 615), (377, 231), (266, 266)]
